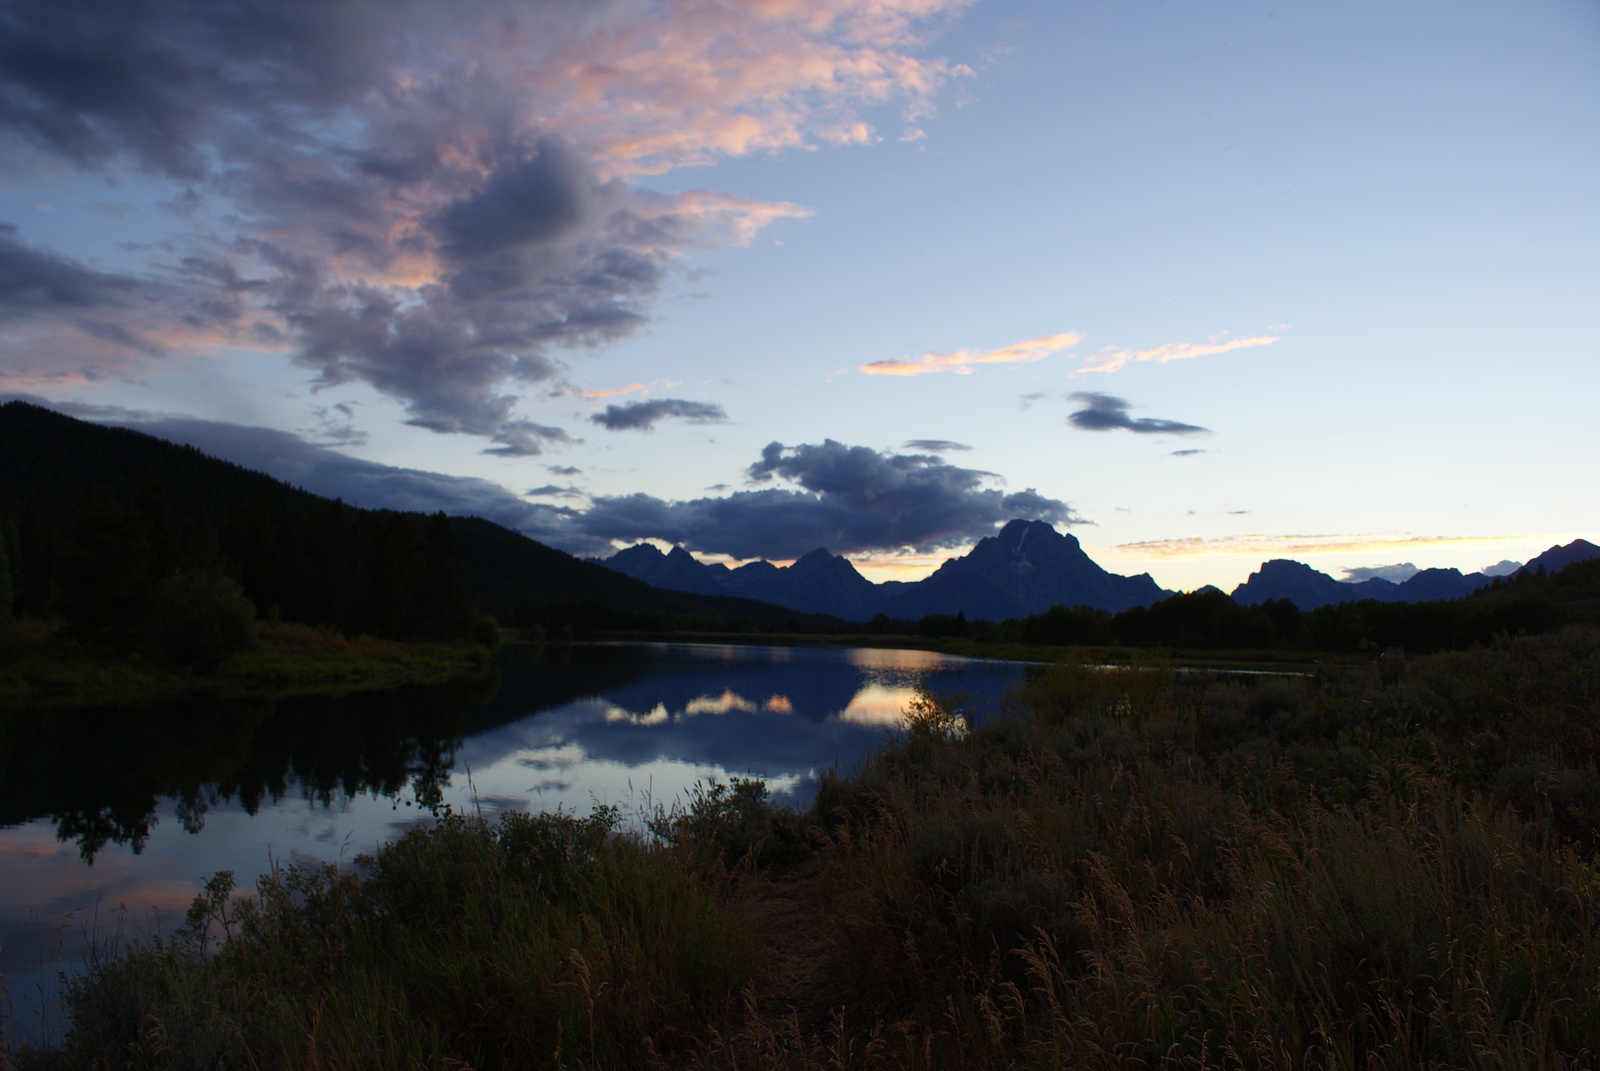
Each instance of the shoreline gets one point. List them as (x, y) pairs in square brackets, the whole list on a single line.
[(40, 669)]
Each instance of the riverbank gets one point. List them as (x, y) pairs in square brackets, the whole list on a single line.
[(1384, 865), (1244, 660), (41, 666)]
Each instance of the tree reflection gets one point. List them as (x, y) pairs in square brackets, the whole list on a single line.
[(101, 773)]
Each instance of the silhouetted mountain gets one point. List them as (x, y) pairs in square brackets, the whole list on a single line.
[(819, 583), (1303, 586), (1432, 584), (1308, 589), (1558, 558), (675, 571), (1027, 568)]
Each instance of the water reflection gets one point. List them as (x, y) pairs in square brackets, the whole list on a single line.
[(159, 798), (102, 774)]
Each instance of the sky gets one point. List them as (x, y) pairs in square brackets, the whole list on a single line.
[(1202, 284)]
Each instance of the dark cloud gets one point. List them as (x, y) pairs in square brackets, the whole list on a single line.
[(849, 499), (524, 438), (1398, 573), (403, 220), (1188, 453), (642, 416), (169, 82), (1107, 412), (32, 281), (936, 446), (550, 490), (525, 205), (563, 470)]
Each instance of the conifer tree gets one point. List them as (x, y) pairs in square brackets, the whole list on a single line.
[(8, 555)]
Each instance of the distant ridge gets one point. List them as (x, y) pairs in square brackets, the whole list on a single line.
[(1558, 558), (1308, 589)]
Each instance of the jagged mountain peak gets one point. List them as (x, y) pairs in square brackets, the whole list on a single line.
[(1558, 557), (639, 552)]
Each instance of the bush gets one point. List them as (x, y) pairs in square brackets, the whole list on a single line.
[(200, 617)]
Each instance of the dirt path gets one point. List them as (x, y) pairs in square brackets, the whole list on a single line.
[(797, 937)]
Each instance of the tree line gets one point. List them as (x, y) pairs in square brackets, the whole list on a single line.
[(131, 570)]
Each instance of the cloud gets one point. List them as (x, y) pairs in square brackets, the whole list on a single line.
[(936, 446), (1503, 567), (33, 281), (439, 201), (63, 321), (1191, 452), (1107, 412), (550, 490), (631, 388), (1270, 545), (524, 438), (1113, 358), (642, 416), (846, 498), (1397, 573), (563, 470), (369, 484), (963, 361)]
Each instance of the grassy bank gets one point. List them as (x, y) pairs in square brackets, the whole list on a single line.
[(1388, 865), (41, 666)]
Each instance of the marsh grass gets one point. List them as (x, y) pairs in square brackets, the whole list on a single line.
[(537, 941), (1384, 866), (1387, 867)]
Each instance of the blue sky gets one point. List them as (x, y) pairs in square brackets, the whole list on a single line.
[(1205, 284)]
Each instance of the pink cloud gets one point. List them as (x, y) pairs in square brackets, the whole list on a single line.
[(1113, 358), (360, 245), (629, 389), (962, 362)]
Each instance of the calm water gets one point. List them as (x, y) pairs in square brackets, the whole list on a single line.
[(110, 819)]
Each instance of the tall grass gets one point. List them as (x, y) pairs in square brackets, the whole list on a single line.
[(1388, 868), (540, 941)]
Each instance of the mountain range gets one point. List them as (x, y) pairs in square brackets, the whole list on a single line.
[(1309, 589), (1025, 569), (48, 461)]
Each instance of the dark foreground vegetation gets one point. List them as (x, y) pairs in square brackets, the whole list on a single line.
[(1388, 865)]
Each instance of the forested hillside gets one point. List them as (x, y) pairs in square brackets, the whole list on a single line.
[(140, 542)]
